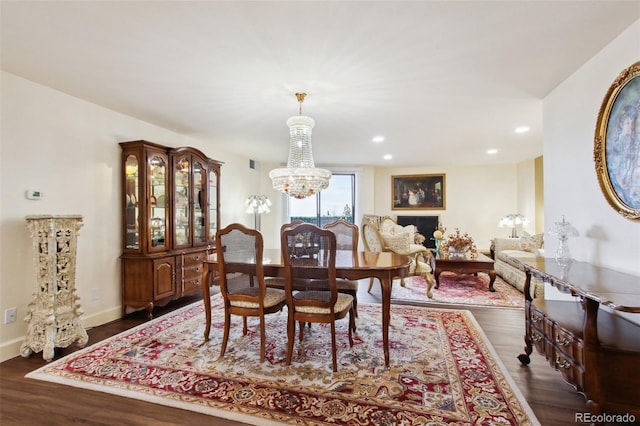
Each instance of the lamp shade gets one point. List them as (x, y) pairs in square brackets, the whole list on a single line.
[(512, 221), (257, 205)]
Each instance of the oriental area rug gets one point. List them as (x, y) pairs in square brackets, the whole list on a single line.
[(443, 371), (469, 290)]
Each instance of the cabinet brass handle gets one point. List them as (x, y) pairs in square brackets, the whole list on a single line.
[(563, 363)]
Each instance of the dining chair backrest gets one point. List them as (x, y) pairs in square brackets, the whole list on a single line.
[(291, 224), (309, 253), (346, 234), (239, 250)]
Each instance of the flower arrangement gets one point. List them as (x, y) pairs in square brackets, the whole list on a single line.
[(460, 243)]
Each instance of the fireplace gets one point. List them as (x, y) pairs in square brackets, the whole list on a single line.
[(425, 224)]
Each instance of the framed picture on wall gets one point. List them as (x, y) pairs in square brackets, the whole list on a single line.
[(418, 192), (617, 144)]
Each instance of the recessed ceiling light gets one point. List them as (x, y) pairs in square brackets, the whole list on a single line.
[(388, 157), (492, 151), (377, 139), (522, 129)]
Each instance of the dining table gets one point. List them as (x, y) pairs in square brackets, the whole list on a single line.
[(351, 265)]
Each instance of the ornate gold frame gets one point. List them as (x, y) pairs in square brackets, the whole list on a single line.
[(432, 197), (619, 96)]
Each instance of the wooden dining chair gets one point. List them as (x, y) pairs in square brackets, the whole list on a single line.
[(346, 239), (239, 250), (321, 302), (278, 282)]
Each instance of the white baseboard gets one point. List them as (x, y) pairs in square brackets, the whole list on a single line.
[(11, 348)]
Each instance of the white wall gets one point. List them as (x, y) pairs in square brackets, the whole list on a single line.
[(526, 172), (570, 182), (68, 149)]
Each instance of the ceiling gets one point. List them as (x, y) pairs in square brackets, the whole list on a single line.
[(442, 81)]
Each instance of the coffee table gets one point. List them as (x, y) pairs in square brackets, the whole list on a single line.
[(464, 265)]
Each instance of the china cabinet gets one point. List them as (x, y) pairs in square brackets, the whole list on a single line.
[(171, 216)]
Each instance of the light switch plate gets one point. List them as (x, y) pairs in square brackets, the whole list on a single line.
[(34, 195)]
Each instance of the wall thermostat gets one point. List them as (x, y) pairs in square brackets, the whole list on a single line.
[(34, 195)]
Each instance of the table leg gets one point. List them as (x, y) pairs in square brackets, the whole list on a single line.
[(386, 282), (492, 279), (206, 296), (437, 275)]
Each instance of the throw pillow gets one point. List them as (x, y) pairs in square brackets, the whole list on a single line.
[(411, 230), (398, 242), (531, 243)]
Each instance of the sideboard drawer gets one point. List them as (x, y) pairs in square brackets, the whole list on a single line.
[(571, 372), (568, 344)]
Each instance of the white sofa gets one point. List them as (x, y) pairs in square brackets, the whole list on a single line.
[(527, 246)]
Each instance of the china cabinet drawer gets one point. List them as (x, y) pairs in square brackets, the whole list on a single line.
[(192, 271), (193, 285), (196, 259)]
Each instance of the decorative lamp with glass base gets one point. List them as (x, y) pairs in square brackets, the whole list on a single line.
[(563, 230)]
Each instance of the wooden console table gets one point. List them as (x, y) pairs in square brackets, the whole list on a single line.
[(595, 348)]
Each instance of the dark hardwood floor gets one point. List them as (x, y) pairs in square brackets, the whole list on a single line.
[(32, 402)]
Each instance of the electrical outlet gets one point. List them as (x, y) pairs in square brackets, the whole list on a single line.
[(94, 294), (10, 315)]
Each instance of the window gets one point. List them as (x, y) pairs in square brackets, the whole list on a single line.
[(335, 202)]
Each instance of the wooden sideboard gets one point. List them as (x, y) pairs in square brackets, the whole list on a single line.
[(595, 348)]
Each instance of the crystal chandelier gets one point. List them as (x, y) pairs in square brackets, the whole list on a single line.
[(300, 178)]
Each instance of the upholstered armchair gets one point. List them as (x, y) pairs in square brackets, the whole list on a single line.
[(389, 236)]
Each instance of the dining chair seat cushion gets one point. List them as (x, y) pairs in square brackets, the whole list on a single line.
[(272, 297), (347, 284), (342, 303), (276, 282), (341, 285)]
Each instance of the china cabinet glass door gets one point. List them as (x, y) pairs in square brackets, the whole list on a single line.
[(182, 213), (199, 208), (213, 205), (131, 206), (158, 203)]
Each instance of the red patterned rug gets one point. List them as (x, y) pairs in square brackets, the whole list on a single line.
[(469, 290), (443, 371)]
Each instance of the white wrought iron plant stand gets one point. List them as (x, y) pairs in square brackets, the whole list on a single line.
[(54, 312)]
